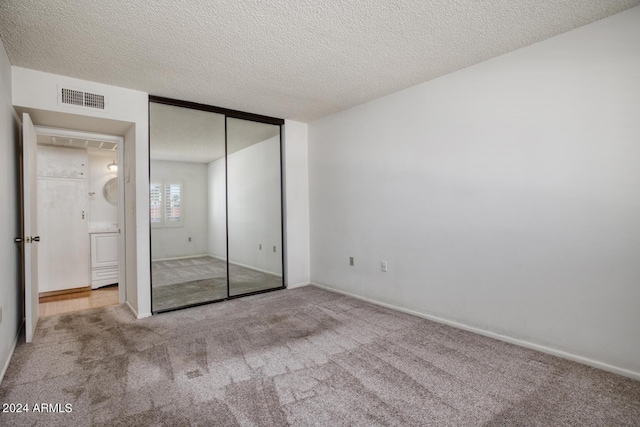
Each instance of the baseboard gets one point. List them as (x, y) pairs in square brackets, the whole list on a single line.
[(298, 285), (271, 273), (44, 295), (135, 312), (522, 343), (247, 266), (180, 257), (13, 349)]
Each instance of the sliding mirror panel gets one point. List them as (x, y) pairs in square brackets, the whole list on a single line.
[(188, 206), (254, 206)]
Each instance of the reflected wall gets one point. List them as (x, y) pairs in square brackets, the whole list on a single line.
[(254, 201)]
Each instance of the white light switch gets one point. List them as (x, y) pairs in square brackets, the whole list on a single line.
[(383, 266)]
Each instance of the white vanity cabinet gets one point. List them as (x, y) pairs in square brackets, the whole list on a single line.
[(104, 259)]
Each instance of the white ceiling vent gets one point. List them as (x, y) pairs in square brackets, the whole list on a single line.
[(74, 97)]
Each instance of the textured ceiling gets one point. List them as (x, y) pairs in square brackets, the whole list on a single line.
[(299, 60)]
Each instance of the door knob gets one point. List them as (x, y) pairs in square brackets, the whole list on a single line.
[(35, 239), (18, 240)]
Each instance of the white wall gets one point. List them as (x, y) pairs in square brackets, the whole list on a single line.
[(173, 242), (296, 183), (217, 209), (11, 290), (35, 89), (255, 206), (505, 197), (38, 90), (101, 212)]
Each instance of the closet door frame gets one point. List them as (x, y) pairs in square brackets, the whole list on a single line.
[(237, 115)]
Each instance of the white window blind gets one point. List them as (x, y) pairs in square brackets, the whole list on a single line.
[(155, 203), (165, 204), (173, 203)]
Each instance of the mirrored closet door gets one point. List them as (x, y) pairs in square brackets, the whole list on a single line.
[(254, 201), (215, 204), (187, 206)]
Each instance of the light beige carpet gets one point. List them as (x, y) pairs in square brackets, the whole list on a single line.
[(303, 357)]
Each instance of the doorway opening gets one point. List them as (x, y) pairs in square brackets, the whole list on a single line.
[(80, 212), (86, 130)]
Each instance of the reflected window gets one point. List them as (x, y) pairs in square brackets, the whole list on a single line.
[(173, 203), (155, 203), (165, 204)]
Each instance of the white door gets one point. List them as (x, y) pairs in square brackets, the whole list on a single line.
[(30, 217), (63, 255)]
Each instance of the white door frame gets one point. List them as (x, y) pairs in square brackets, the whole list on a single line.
[(119, 141), (30, 226)]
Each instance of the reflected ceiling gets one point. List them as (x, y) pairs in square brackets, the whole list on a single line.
[(186, 135)]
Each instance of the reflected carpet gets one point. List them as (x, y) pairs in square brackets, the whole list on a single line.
[(183, 282)]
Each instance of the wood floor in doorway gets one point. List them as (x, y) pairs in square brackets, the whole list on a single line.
[(79, 301)]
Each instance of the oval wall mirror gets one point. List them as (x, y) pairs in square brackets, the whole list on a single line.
[(110, 191)]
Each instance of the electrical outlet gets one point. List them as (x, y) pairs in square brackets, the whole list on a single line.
[(351, 263), (383, 266), (260, 246), (274, 249)]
